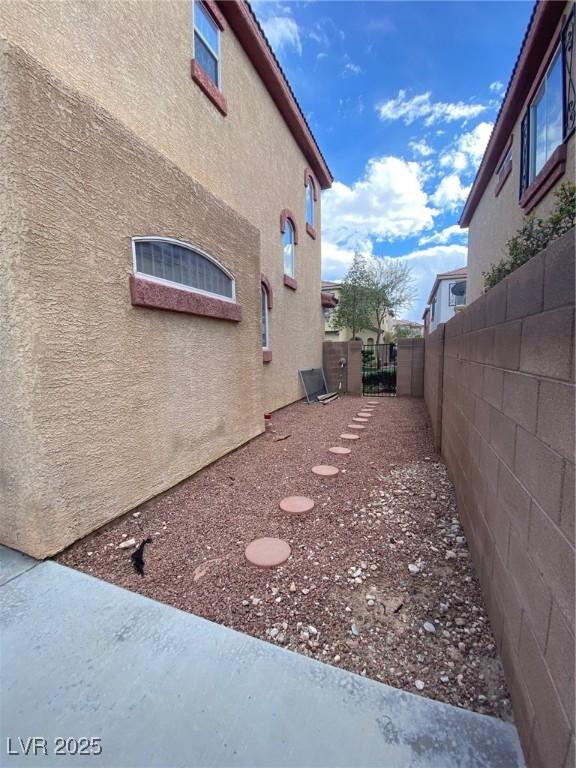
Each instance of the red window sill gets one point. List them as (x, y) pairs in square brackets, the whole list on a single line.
[(311, 231), (553, 170), (207, 86), (266, 356), (147, 293), (504, 173), (289, 282)]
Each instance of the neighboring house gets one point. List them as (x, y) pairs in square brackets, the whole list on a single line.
[(367, 336), (160, 271), (406, 328), (447, 294), (532, 147)]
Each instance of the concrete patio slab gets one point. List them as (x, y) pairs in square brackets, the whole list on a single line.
[(13, 564), (161, 687)]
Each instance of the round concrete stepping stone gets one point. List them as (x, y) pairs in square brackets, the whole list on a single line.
[(341, 451), (296, 505), (364, 413), (373, 402), (355, 426), (349, 436), (267, 552), (358, 418), (325, 470)]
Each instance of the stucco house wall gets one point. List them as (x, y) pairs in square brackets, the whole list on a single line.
[(105, 404), (444, 310), (498, 218), (134, 59)]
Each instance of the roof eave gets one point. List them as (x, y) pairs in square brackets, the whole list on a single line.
[(542, 25), (243, 23)]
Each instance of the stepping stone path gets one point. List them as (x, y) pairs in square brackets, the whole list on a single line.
[(267, 552), (325, 470), (355, 426), (348, 436), (296, 505), (358, 418), (341, 451)]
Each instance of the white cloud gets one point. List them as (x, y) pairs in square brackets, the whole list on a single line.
[(496, 86), (282, 33), (421, 147), (388, 202), (450, 193), (424, 263), (422, 107), (468, 149), (444, 236), (352, 69)]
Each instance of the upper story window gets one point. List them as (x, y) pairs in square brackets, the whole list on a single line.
[(548, 121), (206, 42), (546, 114), (288, 244), (457, 293), (310, 203), (179, 264)]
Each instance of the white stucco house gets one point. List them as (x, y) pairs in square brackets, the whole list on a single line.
[(447, 294)]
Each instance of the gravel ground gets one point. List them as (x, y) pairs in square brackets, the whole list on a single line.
[(380, 581)]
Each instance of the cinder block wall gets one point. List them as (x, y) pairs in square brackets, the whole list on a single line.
[(506, 426), (410, 368), (351, 375)]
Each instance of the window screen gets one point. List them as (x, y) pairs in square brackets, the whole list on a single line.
[(182, 265)]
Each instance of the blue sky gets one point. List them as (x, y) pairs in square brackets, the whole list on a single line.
[(401, 97)]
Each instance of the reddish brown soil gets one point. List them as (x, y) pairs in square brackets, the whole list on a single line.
[(346, 596)]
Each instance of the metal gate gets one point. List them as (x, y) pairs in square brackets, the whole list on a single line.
[(379, 370)]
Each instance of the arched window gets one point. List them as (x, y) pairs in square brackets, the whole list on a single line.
[(176, 263), (288, 243), (310, 202), (265, 321)]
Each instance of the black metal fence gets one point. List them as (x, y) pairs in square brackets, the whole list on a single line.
[(379, 370)]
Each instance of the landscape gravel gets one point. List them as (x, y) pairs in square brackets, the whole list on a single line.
[(380, 580)]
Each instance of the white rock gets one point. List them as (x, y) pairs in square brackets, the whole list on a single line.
[(127, 544), (450, 555), (414, 569), (354, 629), (444, 678), (312, 630), (292, 587), (305, 591), (273, 632), (429, 627), (419, 684), (136, 514)]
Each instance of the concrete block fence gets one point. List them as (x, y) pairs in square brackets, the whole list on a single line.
[(499, 386)]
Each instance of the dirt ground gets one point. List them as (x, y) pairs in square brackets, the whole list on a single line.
[(380, 580)]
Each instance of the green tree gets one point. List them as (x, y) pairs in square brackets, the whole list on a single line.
[(355, 304), (392, 290)]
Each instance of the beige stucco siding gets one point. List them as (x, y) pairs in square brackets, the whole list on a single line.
[(133, 58), (497, 219), (107, 404)]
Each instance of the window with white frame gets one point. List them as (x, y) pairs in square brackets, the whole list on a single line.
[(310, 203), (206, 42), (177, 263), (457, 294), (546, 116), (265, 319), (288, 244)]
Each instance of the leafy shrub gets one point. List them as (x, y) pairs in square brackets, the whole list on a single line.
[(374, 378), (535, 234)]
